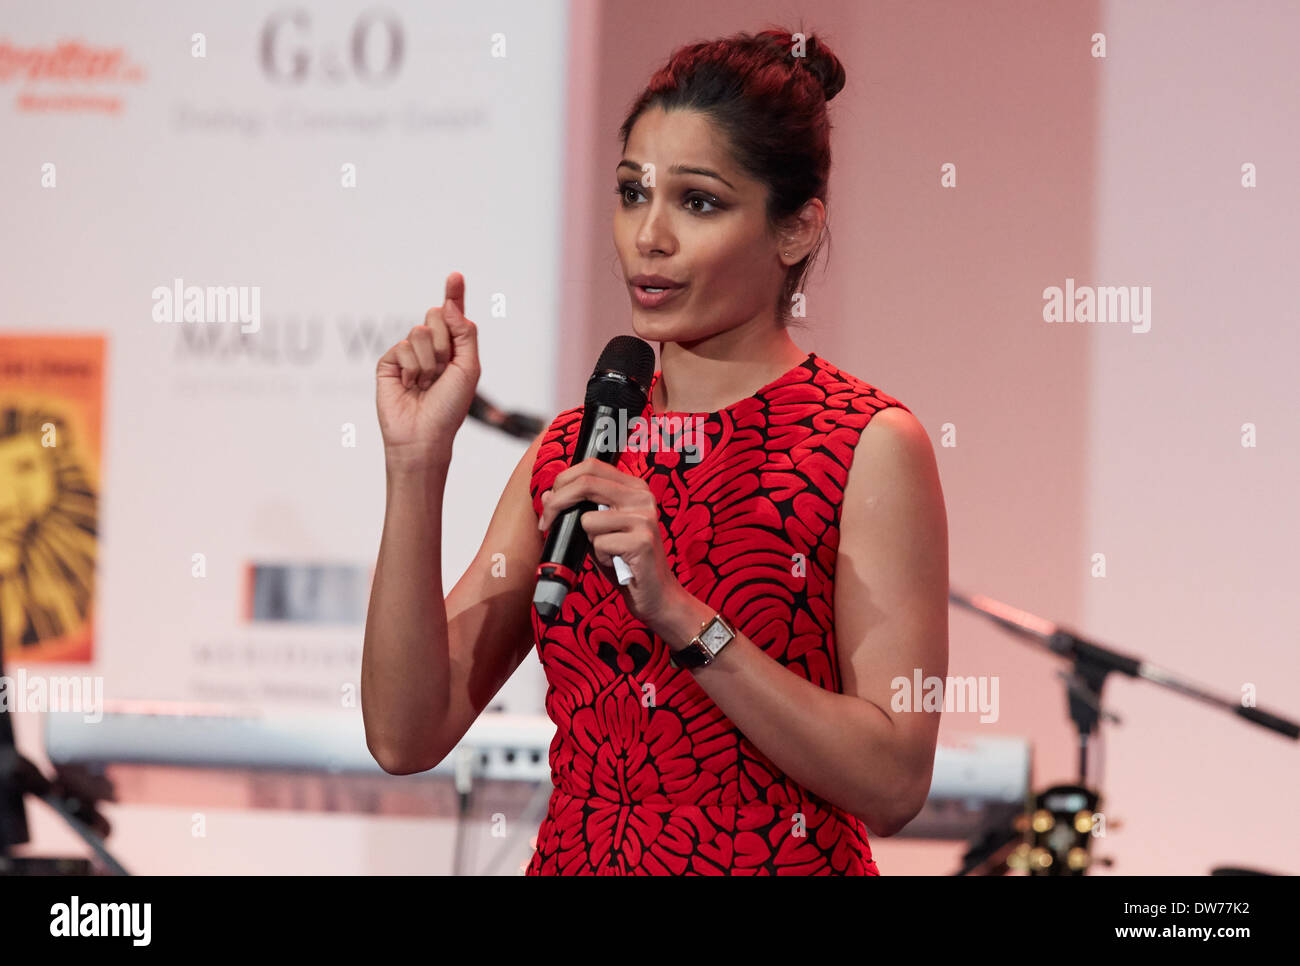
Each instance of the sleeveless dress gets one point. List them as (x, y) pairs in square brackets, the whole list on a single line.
[(649, 776)]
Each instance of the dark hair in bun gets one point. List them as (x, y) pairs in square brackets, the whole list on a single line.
[(767, 92), (826, 67)]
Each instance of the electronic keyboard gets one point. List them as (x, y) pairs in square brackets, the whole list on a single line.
[(971, 775)]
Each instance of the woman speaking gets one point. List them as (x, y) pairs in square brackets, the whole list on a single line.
[(728, 710)]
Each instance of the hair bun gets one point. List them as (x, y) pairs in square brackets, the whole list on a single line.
[(817, 59), (825, 66)]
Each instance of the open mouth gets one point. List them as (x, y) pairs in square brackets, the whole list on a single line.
[(651, 296)]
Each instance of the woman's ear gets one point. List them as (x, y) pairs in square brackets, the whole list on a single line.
[(801, 238)]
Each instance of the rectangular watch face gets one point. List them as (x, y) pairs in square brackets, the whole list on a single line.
[(714, 636)]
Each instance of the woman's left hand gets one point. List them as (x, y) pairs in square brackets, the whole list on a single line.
[(628, 529)]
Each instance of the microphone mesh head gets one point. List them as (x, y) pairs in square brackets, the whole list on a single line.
[(622, 375)]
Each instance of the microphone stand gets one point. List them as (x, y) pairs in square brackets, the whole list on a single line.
[(1091, 663), (519, 425), (73, 794)]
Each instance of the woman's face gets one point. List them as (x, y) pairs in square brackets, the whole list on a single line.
[(707, 233)]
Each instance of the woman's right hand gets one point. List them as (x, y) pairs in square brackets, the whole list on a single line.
[(426, 382)]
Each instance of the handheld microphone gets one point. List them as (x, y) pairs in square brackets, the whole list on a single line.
[(619, 384)]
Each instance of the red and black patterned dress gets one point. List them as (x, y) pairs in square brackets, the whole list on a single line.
[(649, 776)]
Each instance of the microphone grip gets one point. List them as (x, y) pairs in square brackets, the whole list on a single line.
[(566, 548), (567, 544)]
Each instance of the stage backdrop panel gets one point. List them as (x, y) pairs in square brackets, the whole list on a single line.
[(311, 174)]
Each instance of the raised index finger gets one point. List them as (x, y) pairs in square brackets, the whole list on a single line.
[(455, 291)]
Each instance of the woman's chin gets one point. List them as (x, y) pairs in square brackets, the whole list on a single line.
[(652, 327), (640, 325)]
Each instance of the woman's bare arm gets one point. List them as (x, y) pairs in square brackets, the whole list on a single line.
[(431, 665)]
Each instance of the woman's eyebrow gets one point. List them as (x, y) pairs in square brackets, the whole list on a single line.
[(682, 169)]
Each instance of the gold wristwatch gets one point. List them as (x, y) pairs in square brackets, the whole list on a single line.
[(704, 646)]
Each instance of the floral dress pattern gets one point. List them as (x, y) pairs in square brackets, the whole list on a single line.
[(649, 776)]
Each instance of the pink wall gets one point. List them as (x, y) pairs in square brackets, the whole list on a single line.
[(1199, 532), (935, 296)]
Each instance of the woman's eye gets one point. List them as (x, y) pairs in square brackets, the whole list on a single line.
[(631, 186)]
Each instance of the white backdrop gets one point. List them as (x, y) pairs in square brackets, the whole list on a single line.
[(229, 170)]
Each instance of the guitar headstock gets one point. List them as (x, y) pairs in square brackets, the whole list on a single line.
[(1058, 832)]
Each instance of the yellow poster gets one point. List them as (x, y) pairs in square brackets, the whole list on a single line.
[(51, 402)]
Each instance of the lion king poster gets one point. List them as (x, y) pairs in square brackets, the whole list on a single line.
[(51, 401)]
